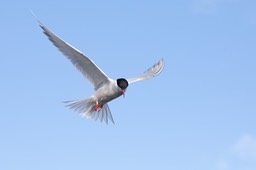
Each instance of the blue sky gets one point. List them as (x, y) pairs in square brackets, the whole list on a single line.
[(198, 114)]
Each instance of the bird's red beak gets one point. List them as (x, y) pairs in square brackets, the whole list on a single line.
[(123, 91)]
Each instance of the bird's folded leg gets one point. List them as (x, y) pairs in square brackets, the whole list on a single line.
[(99, 108), (96, 105)]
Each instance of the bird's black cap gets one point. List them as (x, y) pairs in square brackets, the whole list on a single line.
[(122, 83)]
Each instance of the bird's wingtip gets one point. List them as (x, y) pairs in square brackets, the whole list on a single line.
[(162, 60), (160, 66), (34, 15)]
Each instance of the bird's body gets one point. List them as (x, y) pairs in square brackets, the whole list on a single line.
[(106, 89), (107, 92)]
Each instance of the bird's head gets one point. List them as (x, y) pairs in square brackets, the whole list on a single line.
[(122, 84)]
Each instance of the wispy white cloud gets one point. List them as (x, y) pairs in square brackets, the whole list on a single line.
[(222, 164), (245, 147), (240, 155), (209, 7), (206, 6)]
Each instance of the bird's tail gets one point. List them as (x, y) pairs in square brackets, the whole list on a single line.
[(86, 107)]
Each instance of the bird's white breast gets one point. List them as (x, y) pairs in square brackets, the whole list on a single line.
[(107, 92)]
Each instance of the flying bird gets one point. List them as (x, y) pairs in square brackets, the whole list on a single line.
[(106, 89)]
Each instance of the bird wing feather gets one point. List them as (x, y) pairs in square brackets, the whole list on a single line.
[(85, 65), (151, 72)]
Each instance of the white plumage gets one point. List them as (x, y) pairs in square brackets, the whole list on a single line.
[(106, 89)]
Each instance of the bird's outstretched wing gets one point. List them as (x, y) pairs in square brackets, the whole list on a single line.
[(151, 72), (88, 68)]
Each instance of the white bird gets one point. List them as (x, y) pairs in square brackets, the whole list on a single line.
[(106, 89)]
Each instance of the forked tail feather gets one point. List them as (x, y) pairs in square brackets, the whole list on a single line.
[(86, 107)]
